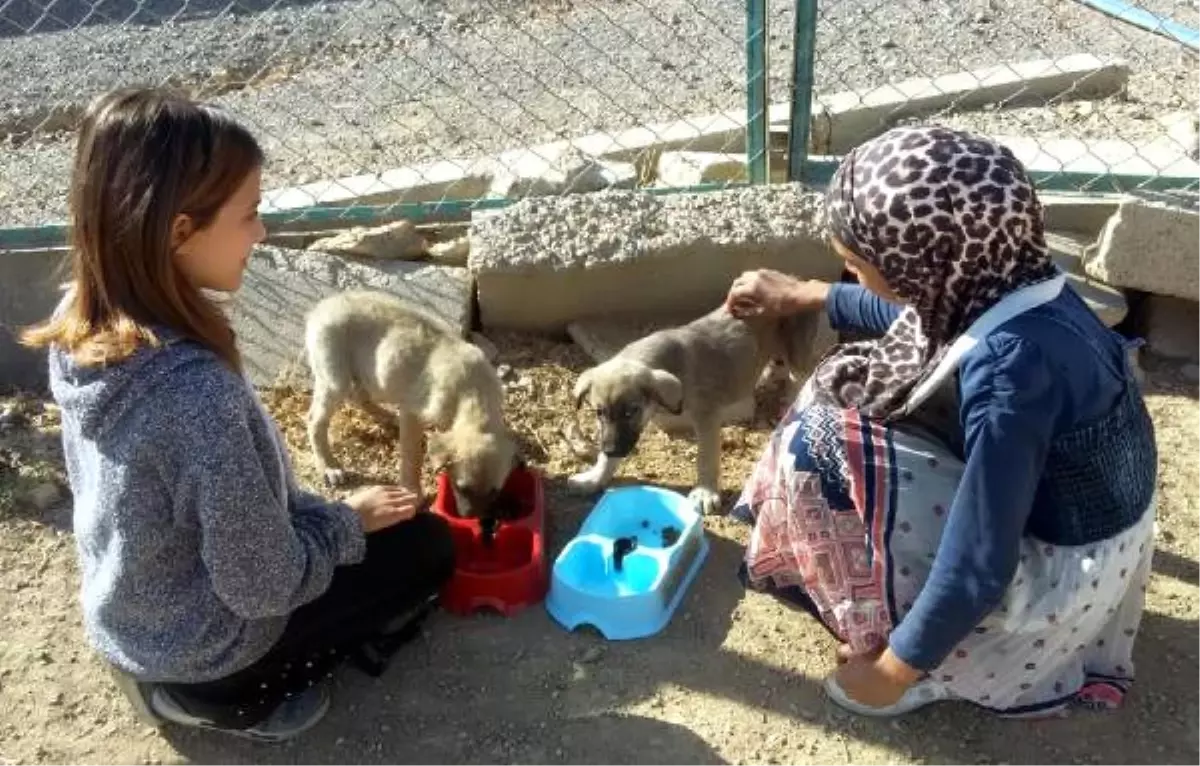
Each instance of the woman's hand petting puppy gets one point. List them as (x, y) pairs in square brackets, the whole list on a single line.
[(380, 507), (765, 292)]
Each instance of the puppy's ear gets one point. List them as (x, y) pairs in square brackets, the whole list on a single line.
[(582, 387), (666, 389)]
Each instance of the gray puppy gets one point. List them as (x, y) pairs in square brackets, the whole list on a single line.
[(697, 371)]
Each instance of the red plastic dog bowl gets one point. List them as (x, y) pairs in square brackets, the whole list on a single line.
[(510, 573)]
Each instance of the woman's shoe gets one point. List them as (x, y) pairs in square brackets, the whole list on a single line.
[(918, 695)]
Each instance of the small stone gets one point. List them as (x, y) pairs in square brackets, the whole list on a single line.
[(399, 239), (453, 253), (888, 44)]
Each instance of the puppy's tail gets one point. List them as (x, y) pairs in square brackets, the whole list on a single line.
[(328, 359)]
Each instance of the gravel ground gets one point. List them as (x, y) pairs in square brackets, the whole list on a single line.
[(734, 678), (343, 88)]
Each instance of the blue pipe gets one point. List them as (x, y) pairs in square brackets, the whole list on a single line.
[(1140, 17)]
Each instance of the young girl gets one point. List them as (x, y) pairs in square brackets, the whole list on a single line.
[(209, 576), (966, 502)]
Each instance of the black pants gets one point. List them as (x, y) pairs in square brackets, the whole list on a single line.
[(405, 566)]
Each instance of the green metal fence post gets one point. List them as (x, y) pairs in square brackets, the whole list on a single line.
[(757, 124), (804, 41)]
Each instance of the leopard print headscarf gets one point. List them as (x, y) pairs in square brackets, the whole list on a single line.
[(953, 223)]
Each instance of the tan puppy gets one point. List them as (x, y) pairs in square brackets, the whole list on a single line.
[(372, 347), (698, 371)]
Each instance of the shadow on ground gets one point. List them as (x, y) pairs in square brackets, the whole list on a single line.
[(486, 689)]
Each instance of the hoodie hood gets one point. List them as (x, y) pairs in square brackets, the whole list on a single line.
[(99, 398)]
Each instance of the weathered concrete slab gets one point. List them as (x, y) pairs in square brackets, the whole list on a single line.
[(29, 291), (531, 172), (1149, 246), (843, 120), (426, 182), (1171, 326), (282, 285), (1082, 213), (1109, 303), (544, 263), (398, 239)]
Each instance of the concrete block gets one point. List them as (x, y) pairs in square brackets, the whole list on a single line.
[(1171, 326), (399, 239), (1082, 213), (843, 120), (602, 338), (281, 286), (451, 253), (1151, 247), (546, 262), (1108, 302), (693, 168), (427, 182), (29, 291), (541, 171)]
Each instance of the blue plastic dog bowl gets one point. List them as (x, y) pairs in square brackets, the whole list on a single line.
[(630, 565)]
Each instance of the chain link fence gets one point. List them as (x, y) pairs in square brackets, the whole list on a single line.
[(434, 108), (1093, 95), (390, 101)]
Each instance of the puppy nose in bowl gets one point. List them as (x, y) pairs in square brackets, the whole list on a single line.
[(500, 561)]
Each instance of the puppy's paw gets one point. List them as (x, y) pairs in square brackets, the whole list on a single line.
[(707, 501), (334, 477), (586, 482)]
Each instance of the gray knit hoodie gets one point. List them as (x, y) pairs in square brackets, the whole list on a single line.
[(194, 538)]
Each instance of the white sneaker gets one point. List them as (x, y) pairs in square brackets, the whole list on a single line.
[(918, 695)]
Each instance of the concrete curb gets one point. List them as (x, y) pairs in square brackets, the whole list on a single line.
[(542, 264)]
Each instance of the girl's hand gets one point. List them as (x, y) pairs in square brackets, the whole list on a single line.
[(380, 507), (769, 293), (877, 682)]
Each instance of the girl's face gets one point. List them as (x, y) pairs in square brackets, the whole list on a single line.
[(868, 276), (215, 257)]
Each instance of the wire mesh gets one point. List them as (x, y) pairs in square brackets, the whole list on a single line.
[(1089, 100), (452, 104), (440, 107)]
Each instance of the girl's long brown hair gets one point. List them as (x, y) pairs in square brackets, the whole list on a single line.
[(144, 157)]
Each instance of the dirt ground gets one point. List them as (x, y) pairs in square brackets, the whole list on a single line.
[(735, 677)]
